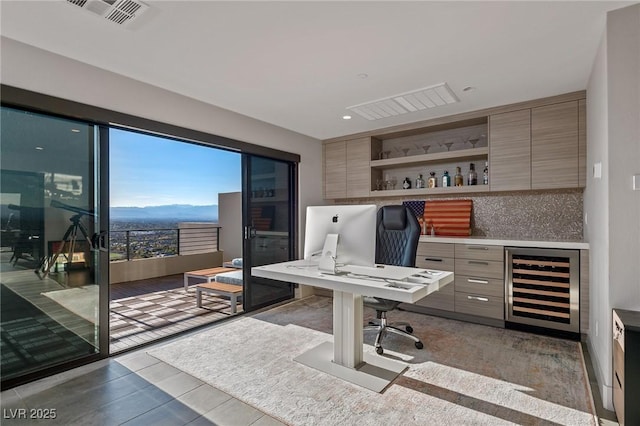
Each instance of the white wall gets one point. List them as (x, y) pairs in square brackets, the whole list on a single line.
[(40, 71), (230, 221), (612, 208)]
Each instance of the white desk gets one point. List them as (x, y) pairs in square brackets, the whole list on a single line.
[(345, 358)]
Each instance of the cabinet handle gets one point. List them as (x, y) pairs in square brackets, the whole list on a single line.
[(478, 298), (472, 280), (618, 379), (477, 262), (477, 248), (433, 259)]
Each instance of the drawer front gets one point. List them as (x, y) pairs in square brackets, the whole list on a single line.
[(434, 262), (442, 299), (436, 250), (479, 252), (479, 268), (479, 305), (478, 285)]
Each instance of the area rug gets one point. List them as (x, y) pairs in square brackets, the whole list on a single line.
[(82, 301), (466, 374)]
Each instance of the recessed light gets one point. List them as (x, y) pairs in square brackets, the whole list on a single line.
[(39, 148), (363, 75), (469, 89), (75, 130), (346, 117)]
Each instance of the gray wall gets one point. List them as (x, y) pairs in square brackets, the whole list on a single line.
[(612, 209), (34, 69)]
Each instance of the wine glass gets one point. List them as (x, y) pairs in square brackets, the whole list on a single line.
[(393, 182), (424, 147), (406, 150), (473, 141)]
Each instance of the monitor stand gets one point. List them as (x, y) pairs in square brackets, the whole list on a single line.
[(327, 263)]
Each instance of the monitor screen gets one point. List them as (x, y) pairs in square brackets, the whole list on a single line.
[(356, 229)]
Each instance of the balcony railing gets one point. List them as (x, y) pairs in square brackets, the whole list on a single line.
[(188, 238)]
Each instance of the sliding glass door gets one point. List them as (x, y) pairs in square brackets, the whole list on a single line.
[(269, 225), (50, 270)]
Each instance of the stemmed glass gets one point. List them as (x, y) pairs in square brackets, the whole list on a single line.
[(425, 147), (393, 182), (448, 145), (473, 141), (406, 151)]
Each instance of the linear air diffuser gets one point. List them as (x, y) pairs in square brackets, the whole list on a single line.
[(416, 100), (121, 12)]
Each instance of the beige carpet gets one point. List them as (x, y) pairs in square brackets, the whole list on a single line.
[(467, 374), (82, 301)]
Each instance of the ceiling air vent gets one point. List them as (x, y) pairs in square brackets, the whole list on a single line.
[(416, 100), (121, 12)]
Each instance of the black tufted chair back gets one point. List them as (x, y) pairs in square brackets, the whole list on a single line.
[(397, 236)]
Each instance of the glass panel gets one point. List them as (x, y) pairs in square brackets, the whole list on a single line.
[(48, 214), (269, 219)]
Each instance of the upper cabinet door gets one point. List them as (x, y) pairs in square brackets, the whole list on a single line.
[(335, 170), (510, 151), (358, 167), (554, 146), (582, 143)]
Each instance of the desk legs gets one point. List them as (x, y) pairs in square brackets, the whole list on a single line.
[(347, 329), (345, 358)]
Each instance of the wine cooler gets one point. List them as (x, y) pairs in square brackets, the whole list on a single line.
[(543, 288)]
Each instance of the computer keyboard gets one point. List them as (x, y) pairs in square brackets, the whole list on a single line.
[(398, 273)]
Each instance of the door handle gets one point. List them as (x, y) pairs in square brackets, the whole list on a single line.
[(249, 232), (99, 241), (433, 259)]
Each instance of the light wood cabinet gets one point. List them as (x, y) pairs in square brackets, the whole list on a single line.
[(358, 175), (335, 170), (554, 146), (510, 151), (479, 280), (437, 256), (347, 173), (537, 144), (582, 143)]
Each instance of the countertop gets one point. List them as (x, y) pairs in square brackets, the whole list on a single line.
[(560, 244)]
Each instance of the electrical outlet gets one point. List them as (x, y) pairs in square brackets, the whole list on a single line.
[(597, 324), (585, 219)]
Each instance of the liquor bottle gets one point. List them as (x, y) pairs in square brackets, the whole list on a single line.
[(419, 182), (406, 183), (472, 179), (446, 179), (485, 174), (458, 180), (433, 180)]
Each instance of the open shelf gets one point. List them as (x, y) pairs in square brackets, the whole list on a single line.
[(413, 160), (431, 191)]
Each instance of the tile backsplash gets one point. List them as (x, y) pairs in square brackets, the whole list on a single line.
[(540, 215)]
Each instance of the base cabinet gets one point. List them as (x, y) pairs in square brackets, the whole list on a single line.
[(626, 366)]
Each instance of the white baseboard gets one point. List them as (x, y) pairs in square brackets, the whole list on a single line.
[(606, 391)]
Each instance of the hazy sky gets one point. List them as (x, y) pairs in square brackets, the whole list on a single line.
[(153, 171)]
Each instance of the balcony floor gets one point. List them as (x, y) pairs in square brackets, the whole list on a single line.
[(146, 310)]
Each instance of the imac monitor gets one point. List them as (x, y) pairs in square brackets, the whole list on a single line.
[(355, 226)]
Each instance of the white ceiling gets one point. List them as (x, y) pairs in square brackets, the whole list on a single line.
[(297, 64)]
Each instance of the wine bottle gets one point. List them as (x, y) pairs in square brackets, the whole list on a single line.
[(485, 174), (472, 179)]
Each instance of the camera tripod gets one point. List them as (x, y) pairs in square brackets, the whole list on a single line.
[(69, 240)]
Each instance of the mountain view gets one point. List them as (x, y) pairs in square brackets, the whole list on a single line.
[(174, 212)]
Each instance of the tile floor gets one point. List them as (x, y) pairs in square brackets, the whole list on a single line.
[(131, 389)]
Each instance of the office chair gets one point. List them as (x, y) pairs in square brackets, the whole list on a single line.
[(397, 235)]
